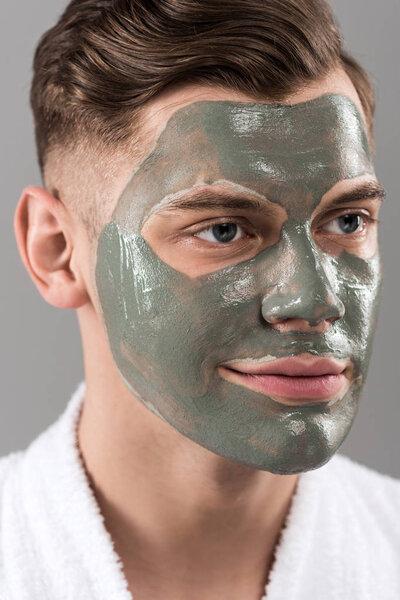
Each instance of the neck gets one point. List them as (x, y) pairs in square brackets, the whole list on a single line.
[(185, 522)]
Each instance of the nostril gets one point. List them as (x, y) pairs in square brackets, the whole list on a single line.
[(317, 311), (333, 320), (301, 326)]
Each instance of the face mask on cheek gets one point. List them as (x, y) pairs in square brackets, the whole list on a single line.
[(169, 332)]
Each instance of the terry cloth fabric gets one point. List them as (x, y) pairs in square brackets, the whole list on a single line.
[(341, 539)]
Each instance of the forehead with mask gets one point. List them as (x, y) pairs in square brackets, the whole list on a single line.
[(175, 334)]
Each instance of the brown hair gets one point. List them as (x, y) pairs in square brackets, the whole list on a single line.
[(104, 59)]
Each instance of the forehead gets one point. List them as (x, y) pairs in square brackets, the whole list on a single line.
[(280, 152)]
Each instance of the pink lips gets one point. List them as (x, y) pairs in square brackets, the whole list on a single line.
[(298, 377)]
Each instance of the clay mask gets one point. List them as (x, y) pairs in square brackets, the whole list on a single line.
[(168, 332)]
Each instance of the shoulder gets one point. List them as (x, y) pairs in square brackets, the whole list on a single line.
[(358, 476), (342, 538), (9, 467), (33, 485), (370, 495)]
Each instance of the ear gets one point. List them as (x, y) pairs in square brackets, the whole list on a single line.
[(43, 230)]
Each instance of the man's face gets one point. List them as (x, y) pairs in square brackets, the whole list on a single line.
[(246, 235)]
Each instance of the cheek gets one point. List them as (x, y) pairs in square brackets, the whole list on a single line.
[(358, 283), (160, 324), (166, 328), (364, 247)]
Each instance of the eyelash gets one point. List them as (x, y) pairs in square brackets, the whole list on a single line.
[(365, 217), (245, 226)]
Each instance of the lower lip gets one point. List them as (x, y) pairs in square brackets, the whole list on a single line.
[(318, 387)]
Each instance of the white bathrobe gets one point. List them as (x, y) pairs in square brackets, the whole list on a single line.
[(341, 540)]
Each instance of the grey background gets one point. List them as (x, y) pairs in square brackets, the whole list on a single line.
[(41, 360)]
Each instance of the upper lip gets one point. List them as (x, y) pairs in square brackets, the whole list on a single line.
[(305, 365)]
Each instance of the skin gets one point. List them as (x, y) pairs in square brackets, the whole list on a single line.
[(200, 525)]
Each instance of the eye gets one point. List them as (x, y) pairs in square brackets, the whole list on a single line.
[(347, 224), (222, 233)]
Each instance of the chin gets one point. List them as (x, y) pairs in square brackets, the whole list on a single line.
[(289, 453), (299, 464)]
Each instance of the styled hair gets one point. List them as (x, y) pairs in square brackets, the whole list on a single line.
[(105, 59)]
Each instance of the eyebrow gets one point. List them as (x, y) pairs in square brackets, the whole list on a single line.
[(212, 200), (216, 200), (368, 191)]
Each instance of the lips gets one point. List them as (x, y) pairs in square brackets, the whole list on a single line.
[(303, 377)]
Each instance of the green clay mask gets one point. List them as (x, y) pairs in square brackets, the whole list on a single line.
[(168, 332)]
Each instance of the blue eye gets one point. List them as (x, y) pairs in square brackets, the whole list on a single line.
[(222, 233), (346, 224)]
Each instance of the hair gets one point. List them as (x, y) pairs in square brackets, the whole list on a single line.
[(105, 59)]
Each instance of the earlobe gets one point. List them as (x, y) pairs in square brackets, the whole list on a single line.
[(44, 238)]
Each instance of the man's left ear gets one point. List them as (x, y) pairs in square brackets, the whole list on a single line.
[(42, 227)]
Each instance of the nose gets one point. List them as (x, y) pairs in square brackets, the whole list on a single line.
[(304, 300)]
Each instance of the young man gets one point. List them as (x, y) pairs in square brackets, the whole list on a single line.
[(210, 210)]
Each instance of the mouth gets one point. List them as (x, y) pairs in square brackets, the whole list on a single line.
[(291, 380)]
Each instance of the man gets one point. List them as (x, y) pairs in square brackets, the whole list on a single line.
[(210, 210)]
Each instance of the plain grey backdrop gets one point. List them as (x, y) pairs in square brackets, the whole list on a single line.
[(41, 361)]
